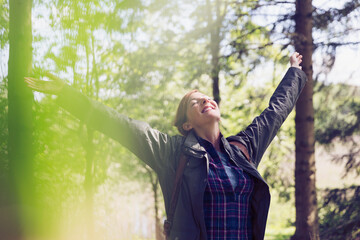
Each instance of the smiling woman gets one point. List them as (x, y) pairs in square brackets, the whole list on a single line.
[(220, 194), (199, 112)]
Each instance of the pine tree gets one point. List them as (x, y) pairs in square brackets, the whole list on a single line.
[(307, 226)]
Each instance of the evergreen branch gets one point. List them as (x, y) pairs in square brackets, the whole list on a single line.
[(344, 227), (325, 17)]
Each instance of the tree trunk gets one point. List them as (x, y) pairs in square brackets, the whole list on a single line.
[(154, 181), (89, 183), (90, 164), (95, 74), (20, 124), (215, 39), (158, 226), (307, 226)]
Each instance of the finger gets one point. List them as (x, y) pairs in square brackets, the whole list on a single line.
[(37, 88), (34, 87), (34, 84), (49, 75), (35, 81), (52, 76), (30, 79)]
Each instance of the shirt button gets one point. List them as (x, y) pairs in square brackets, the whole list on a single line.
[(205, 179)]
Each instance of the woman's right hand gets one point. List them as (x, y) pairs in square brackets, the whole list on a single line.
[(53, 86), (295, 60)]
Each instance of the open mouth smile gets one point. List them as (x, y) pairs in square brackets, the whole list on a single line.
[(207, 108)]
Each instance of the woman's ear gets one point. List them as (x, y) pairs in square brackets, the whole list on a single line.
[(187, 126)]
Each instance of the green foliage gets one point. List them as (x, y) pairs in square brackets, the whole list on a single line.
[(4, 23), (140, 57), (324, 17), (97, 69), (339, 120), (340, 211)]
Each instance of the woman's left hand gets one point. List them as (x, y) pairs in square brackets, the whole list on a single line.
[(295, 60), (53, 86)]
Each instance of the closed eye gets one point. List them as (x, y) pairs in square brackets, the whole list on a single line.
[(193, 102), (200, 100)]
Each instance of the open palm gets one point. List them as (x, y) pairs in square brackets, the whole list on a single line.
[(53, 86)]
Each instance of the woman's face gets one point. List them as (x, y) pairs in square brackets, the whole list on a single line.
[(201, 110)]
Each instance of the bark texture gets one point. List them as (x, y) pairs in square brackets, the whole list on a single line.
[(19, 212), (307, 226)]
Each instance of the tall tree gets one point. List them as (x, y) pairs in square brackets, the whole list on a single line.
[(307, 226), (216, 14), (20, 113)]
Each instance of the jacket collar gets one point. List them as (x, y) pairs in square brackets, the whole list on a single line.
[(192, 146)]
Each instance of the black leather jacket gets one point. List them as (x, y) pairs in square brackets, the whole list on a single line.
[(161, 152)]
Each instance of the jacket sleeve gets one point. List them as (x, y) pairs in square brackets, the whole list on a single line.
[(148, 144), (259, 134)]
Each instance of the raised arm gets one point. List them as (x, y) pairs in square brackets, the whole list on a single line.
[(150, 145), (259, 134)]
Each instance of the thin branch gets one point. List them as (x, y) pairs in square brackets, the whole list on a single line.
[(336, 44), (272, 3)]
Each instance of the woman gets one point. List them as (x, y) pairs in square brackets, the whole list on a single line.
[(222, 195)]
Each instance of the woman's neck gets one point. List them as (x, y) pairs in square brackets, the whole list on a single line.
[(210, 134)]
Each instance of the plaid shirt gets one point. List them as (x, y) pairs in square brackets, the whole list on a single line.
[(227, 212)]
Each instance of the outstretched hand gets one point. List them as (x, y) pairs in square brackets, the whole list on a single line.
[(295, 60), (53, 86)]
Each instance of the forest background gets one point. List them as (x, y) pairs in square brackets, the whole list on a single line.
[(62, 180)]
